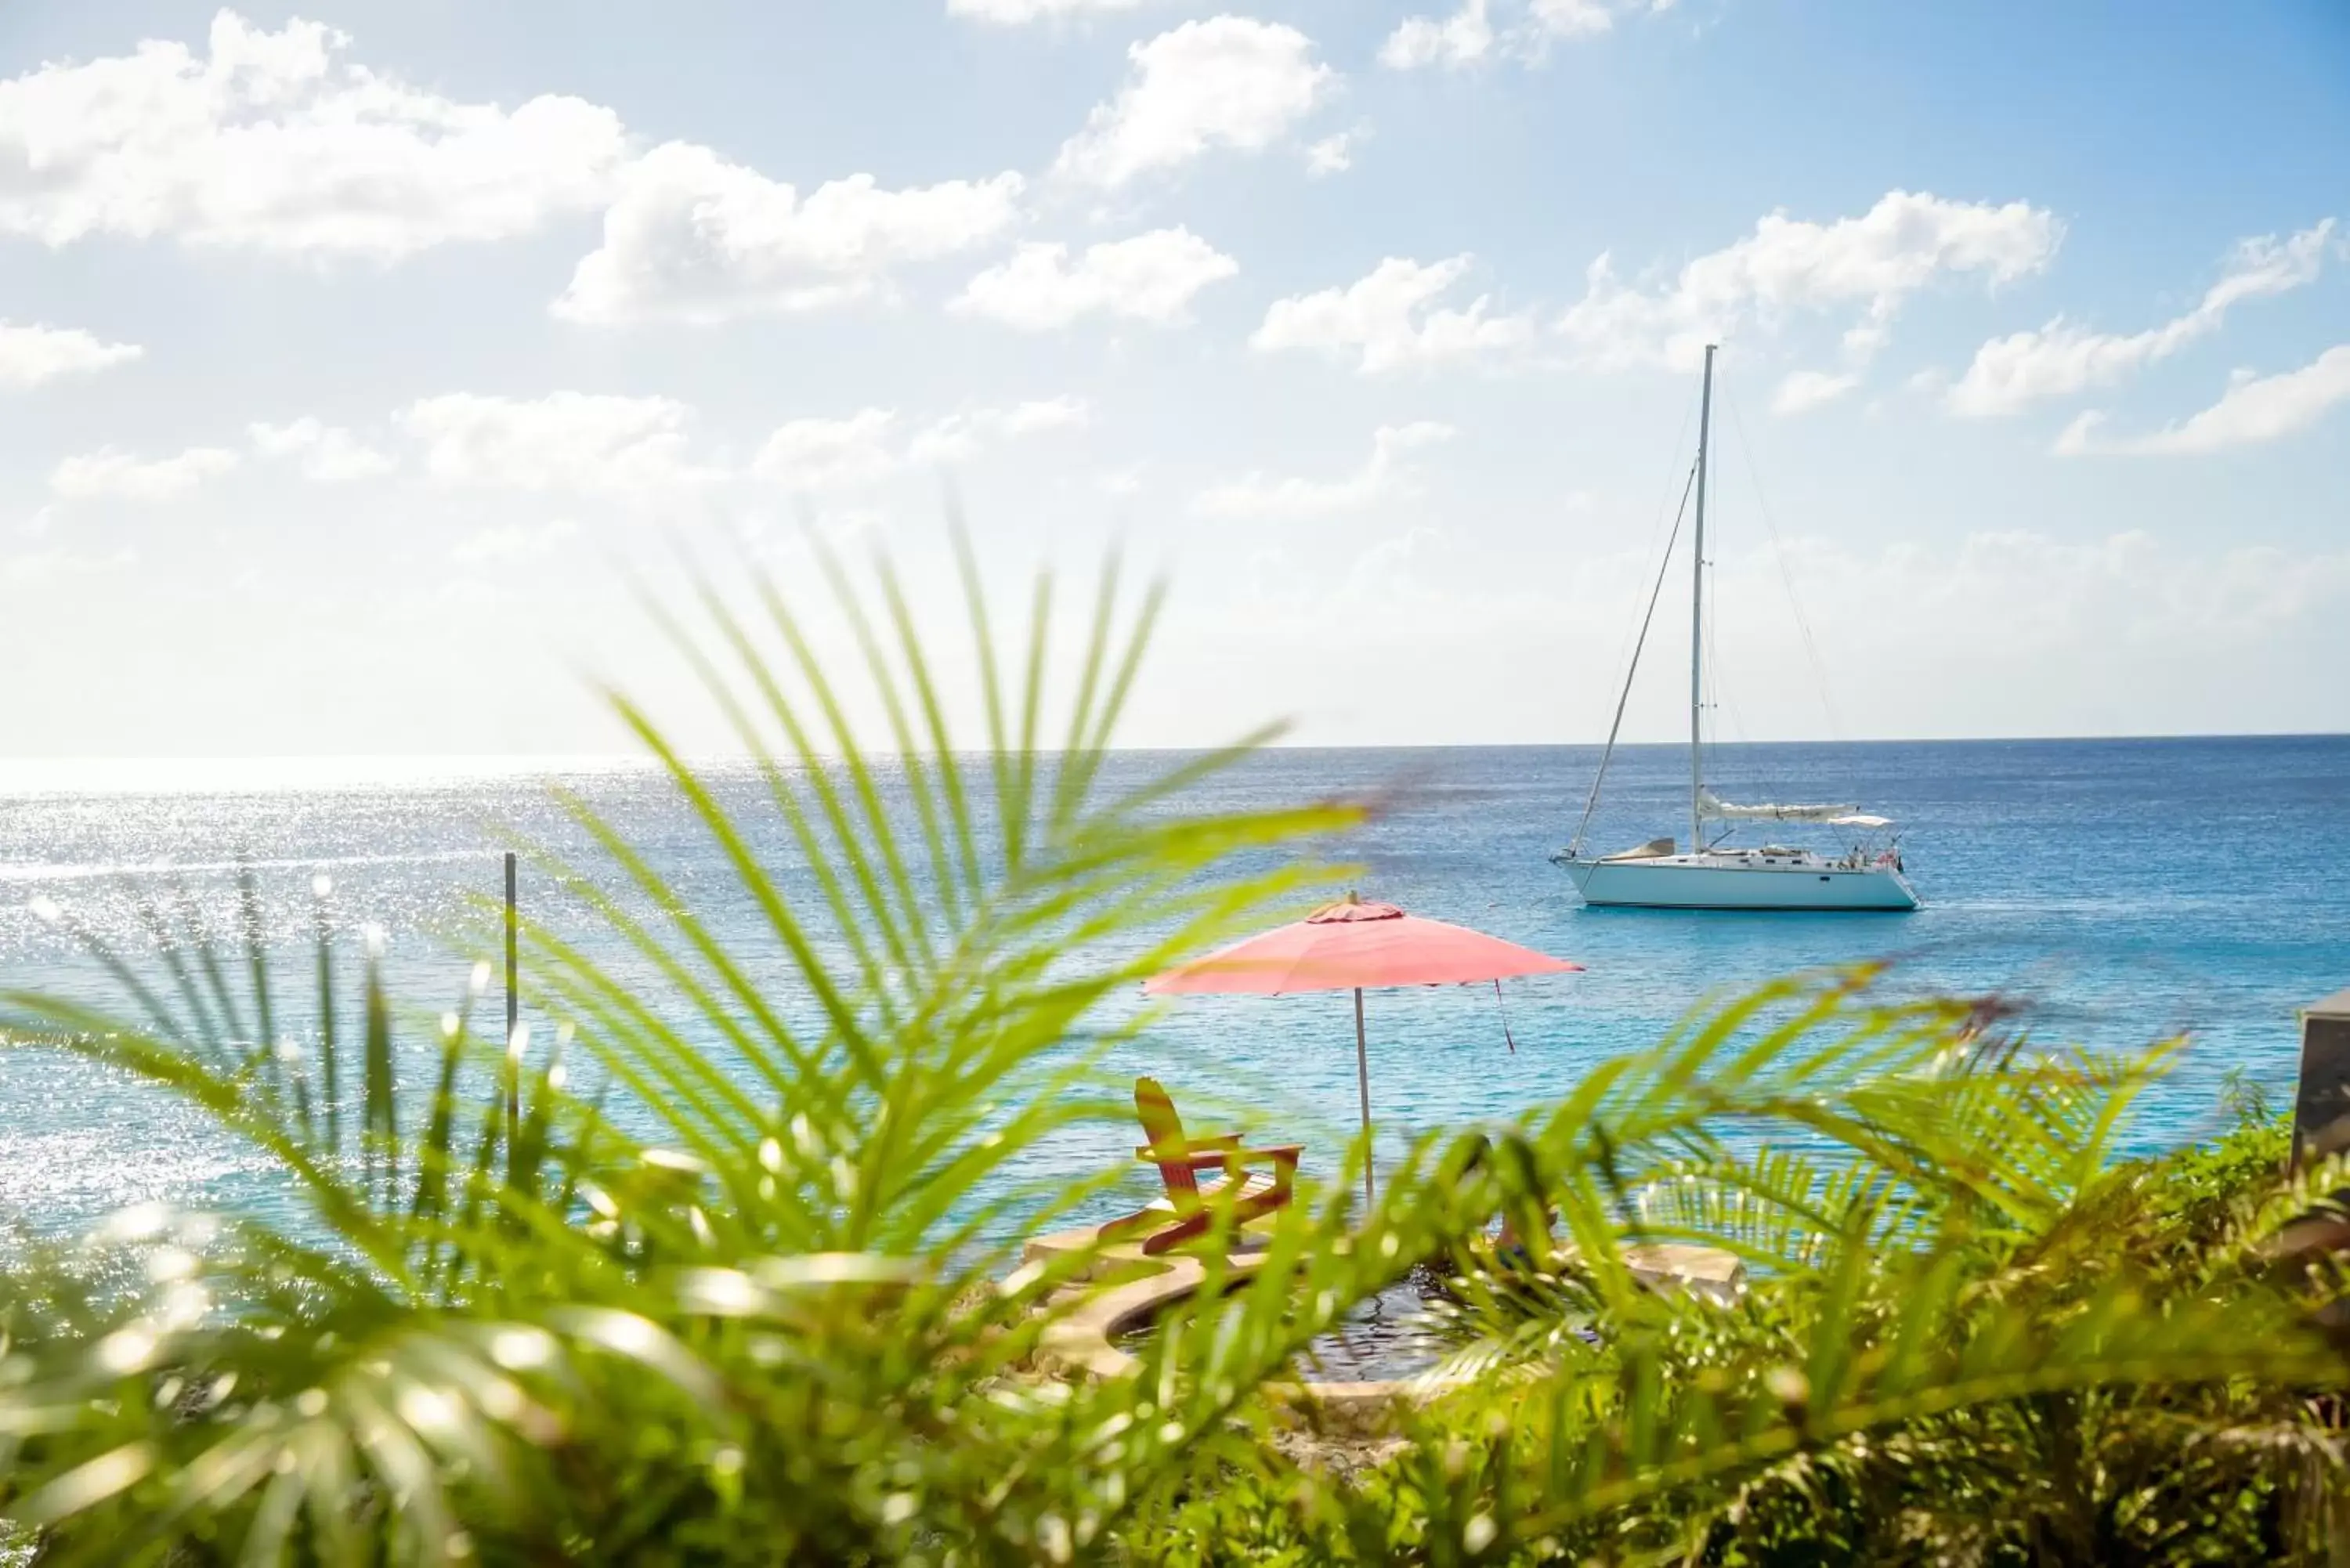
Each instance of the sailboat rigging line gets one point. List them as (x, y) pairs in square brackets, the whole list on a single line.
[(1664, 564), (1723, 723), (1626, 665), (1718, 702), (1786, 575)]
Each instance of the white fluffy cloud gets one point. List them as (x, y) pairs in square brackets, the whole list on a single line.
[(829, 454), (1804, 391), (513, 543), (2060, 358), (1226, 82), (959, 438), (328, 455), (109, 474), (691, 237), (1873, 262), (268, 142), (40, 568), (274, 141), (1335, 154), (1551, 19), (2254, 409), (1014, 12), (1460, 39), (1468, 36), (1389, 319), (1151, 277), (1383, 473), (2133, 633), (2023, 593), (580, 442), (862, 450), (34, 354)]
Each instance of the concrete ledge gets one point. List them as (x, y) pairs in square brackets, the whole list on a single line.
[(1707, 1271), (1123, 1290)]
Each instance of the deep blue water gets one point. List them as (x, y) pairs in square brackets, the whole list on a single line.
[(2127, 890)]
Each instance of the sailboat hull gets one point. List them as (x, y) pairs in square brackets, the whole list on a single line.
[(1738, 882)]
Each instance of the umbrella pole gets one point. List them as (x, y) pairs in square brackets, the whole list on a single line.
[(1363, 1079)]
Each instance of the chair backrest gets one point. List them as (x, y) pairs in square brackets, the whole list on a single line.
[(1162, 1130)]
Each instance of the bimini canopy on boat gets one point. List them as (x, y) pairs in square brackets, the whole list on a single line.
[(1712, 806)]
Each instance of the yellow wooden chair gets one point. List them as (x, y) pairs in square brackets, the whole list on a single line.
[(1190, 1208)]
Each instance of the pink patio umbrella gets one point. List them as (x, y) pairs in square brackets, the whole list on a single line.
[(1353, 946)]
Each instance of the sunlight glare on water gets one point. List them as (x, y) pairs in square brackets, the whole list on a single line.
[(2128, 890)]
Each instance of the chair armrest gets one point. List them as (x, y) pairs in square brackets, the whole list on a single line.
[(1197, 1158), (1221, 1158), (1221, 1143)]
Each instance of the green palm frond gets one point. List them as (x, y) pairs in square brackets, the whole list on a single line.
[(944, 1016), (738, 1277)]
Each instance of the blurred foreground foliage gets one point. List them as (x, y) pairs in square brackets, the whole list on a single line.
[(750, 1299)]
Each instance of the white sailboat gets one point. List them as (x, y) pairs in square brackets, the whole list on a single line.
[(1714, 874)]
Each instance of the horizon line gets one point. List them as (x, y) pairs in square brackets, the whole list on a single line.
[(332, 770)]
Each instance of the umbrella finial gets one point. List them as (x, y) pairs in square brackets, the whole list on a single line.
[(1343, 911)]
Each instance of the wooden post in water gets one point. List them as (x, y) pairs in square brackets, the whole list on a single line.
[(2321, 1107), (513, 1009)]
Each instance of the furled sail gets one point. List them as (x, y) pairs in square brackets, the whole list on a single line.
[(1713, 806)]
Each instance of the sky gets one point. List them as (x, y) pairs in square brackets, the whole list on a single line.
[(365, 366)]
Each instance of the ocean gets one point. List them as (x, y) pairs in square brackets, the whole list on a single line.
[(2125, 890)]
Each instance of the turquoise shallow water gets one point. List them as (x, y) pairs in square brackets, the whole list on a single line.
[(2126, 890)]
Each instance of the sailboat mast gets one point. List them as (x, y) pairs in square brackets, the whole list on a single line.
[(1697, 620)]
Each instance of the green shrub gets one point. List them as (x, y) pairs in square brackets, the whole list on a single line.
[(787, 1326)]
